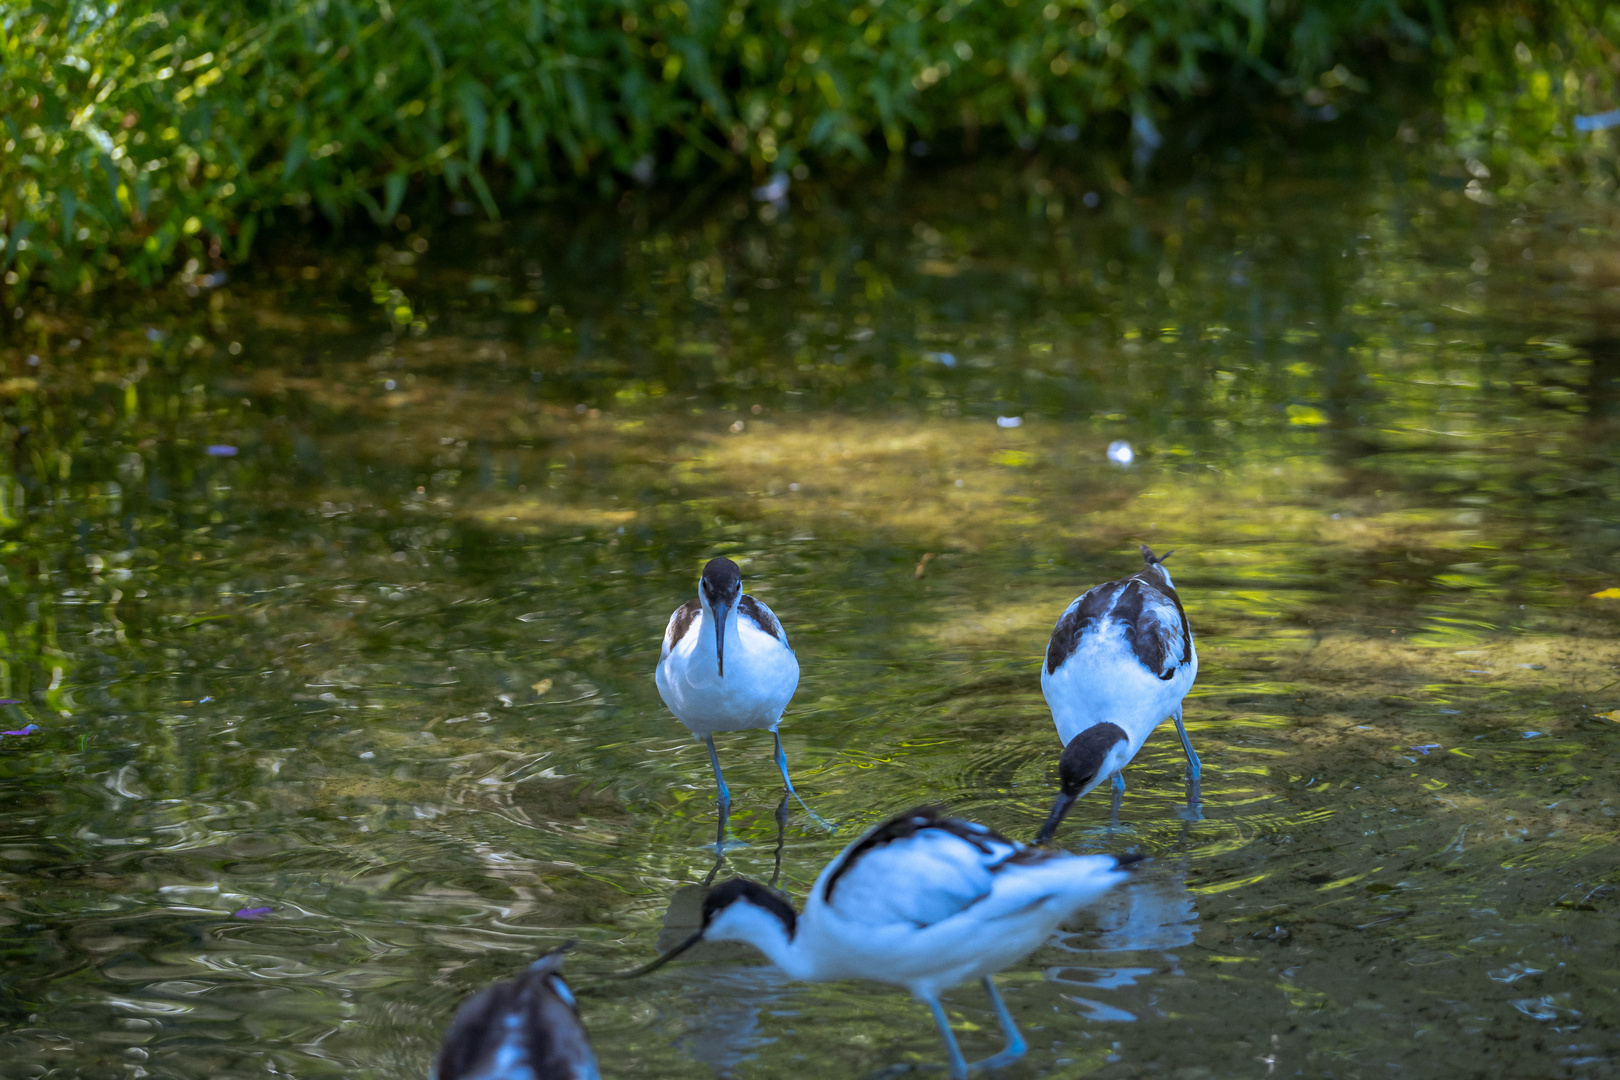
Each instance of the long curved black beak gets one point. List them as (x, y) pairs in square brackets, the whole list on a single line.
[(1055, 818), (649, 968), (721, 614)]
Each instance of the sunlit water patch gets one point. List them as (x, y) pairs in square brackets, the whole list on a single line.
[(342, 724)]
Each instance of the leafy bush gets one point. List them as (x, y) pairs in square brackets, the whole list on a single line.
[(140, 133)]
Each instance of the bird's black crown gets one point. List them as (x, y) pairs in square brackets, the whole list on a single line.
[(722, 581), (1085, 754), (730, 892)]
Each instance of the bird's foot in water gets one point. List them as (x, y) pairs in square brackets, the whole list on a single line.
[(781, 811), (832, 830), (1193, 810)]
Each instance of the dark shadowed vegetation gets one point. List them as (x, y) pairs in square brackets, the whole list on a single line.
[(143, 133)]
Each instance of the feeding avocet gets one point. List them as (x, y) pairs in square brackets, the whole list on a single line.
[(1120, 660), (923, 901)]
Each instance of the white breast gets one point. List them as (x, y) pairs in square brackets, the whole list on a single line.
[(1103, 681), (761, 676)]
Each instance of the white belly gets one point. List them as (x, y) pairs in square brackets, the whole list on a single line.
[(1102, 681), (761, 676), (928, 960)]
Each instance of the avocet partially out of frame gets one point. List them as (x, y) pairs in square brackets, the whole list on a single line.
[(525, 1029), (922, 901), (727, 666), (1121, 659)]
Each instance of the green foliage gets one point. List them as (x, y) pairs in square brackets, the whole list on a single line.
[(137, 134), (1522, 75)]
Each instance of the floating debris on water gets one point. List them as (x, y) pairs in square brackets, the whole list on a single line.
[(31, 729), (252, 913), (1424, 748), (1120, 452), (221, 450), (1009, 421), (945, 358)]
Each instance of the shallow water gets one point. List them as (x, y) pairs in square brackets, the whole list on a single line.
[(336, 590)]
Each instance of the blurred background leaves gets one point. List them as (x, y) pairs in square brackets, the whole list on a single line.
[(144, 134)]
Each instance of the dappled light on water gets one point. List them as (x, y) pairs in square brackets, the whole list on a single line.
[(338, 625)]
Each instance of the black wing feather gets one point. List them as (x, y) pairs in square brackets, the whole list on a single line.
[(1160, 645), (681, 621), (762, 617), (909, 824)]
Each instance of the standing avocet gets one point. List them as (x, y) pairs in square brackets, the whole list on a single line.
[(727, 666), (525, 1029), (922, 901), (1120, 660)]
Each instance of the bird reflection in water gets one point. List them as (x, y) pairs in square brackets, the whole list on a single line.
[(722, 1027), (1151, 912), (720, 849)]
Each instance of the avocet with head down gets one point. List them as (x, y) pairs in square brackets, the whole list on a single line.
[(727, 666), (1120, 660), (525, 1029), (922, 901)]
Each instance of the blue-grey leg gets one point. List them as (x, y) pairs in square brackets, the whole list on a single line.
[(1119, 796), (958, 1064), (1016, 1047), (781, 763), (725, 794), (1193, 767), (1195, 772)]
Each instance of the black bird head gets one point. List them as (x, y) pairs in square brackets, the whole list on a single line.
[(726, 897), (1090, 758), (720, 589)]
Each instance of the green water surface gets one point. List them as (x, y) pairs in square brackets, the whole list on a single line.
[(336, 587)]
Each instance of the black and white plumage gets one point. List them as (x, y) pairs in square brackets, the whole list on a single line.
[(726, 665), (525, 1029), (922, 901), (1120, 660)]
